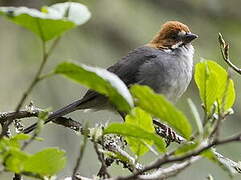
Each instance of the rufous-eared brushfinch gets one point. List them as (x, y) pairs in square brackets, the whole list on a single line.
[(164, 64)]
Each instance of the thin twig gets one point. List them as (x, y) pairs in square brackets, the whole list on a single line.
[(161, 173), (32, 84), (70, 123), (169, 159), (173, 170), (224, 47), (35, 79), (81, 153), (34, 112), (43, 116), (26, 113), (103, 170)]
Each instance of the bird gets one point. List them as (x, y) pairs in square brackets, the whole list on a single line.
[(165, 64)]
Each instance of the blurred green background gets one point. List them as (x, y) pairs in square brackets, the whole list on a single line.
[(115, 28)]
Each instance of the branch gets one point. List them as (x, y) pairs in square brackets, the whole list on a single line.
[(35, 80), (129, 162), (80, 157), (37, 75), (224, 47), (171, 171), (103, 170), (160, 174), (8, 116), (169, 159), (112, 144), (34, 112)]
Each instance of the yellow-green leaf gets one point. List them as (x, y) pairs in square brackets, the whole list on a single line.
[(143, 120), (100, 80), (214, 85), (129, 130), (158, 106), (51, 21)]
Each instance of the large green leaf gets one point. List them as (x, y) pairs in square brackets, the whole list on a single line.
[(225, 87), (196, 116), (129, 130), (158, 106), (206, 81), (8, 144), (214, 84), (51, 21), (46, 163), (143, 120), (99, 80), (15, 160)]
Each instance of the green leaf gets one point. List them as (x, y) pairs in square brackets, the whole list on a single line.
[(206, 82), (14, 141), (196, 116), (225, 85), (9, 144), (158, 106), (214, 84), (143, 120), (15, 160), (100, 80), (21, 136), (43, 115), (129, 130), (229, 95), (51, 21), (46, 163), (116, 155)]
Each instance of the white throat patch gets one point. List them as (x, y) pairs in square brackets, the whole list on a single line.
[(175, 46)]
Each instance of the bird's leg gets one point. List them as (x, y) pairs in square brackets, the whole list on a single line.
[(163, 131), (167, 133)]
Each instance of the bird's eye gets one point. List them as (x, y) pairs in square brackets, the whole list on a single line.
[(174, 37)]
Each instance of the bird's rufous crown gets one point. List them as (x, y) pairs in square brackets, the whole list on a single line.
[(165, 38)]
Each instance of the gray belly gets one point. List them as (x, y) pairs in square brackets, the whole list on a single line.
[(170, 79), (176, 86)]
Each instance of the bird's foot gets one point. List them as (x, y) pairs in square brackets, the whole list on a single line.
[(166, 132)]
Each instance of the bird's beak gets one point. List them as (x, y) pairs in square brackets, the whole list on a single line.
[(189, 37)]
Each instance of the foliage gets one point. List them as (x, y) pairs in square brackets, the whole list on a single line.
[(51, 21), (158, 106), (143, 120), (140, 103), (214, 85), (42, 164), (139, 132), (99, 80)]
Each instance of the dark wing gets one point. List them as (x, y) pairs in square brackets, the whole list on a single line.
[(127, 68)]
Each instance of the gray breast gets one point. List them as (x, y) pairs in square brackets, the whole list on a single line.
[(170, 73)]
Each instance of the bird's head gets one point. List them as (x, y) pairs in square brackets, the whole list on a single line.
[(172, 35)]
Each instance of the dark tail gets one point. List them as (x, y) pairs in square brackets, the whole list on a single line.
[(61, 112)]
